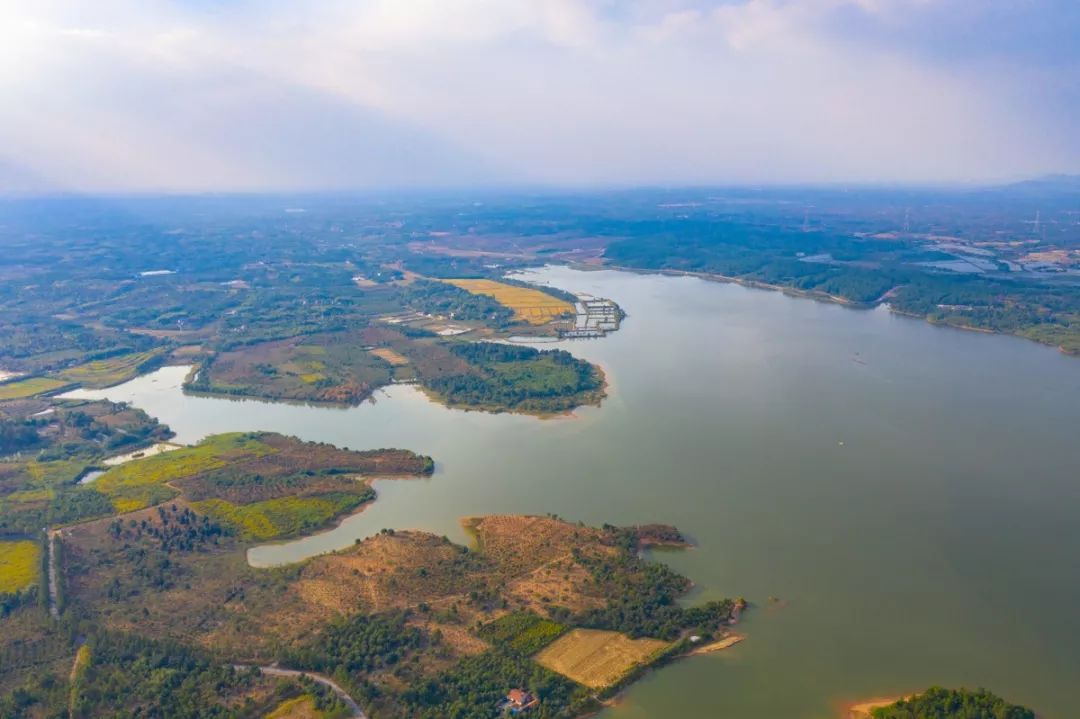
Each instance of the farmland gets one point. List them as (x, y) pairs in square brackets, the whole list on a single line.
[(597, 658), (529, 305), (20, 564), (113, 370), (284, 516), (388, 355), (523, 632), (30, 387)]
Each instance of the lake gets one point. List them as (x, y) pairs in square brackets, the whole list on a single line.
[(907, 495)]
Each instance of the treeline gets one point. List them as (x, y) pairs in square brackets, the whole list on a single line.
[(18, 436), (11, 601), (66, 504)]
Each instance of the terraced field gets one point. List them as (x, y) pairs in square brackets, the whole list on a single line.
[(112, 370), (529, 305)]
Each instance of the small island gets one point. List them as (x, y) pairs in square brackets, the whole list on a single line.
[(940, 703)]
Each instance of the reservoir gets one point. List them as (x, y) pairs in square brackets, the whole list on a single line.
[(899, 502)]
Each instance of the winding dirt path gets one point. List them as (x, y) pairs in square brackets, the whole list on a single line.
[(325, 681)]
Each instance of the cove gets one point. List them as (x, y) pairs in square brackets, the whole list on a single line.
[(909, 493)]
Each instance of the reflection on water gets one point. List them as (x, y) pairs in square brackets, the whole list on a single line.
[(908, 492)]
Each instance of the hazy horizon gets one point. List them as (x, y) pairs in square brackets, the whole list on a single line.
[(125, 97)]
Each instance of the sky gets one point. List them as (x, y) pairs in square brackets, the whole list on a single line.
[(281, 95)]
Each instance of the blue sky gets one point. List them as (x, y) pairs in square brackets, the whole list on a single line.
[(150, 95)]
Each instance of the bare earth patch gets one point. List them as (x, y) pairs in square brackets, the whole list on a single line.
[(863, 710), (395, 358)]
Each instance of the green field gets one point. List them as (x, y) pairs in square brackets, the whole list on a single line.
[(282, 517), (524, 632), (142, 483), (31, 387), (20, 562)]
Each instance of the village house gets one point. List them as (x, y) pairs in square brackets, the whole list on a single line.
[(519, 700)]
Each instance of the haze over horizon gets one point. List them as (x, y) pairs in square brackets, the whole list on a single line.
[(172, 96)]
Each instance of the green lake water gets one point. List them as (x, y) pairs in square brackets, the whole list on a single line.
[(910, 494)]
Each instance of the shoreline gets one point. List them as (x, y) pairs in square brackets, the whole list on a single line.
[(833, 299), (717, 646), (753, 284), (591, 399), (864, 709), (334, 523), (620, 695)]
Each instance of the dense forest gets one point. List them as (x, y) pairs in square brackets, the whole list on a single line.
[(123, 675), (519, 377)]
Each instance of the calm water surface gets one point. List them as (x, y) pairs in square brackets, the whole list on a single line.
[(909, 493)]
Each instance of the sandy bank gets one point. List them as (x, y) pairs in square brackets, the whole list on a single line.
[(719, 645), (862, 709)]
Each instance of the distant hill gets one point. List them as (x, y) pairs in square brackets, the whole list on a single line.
[(1048, 184)]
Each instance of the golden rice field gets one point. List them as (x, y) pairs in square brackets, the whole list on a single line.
[(30, 387), (529, 305), (598, 658), (20, 562)]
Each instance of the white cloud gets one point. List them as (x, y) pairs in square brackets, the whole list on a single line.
[(120, 94)]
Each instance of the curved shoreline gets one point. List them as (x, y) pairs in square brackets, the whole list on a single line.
[(864, 709), (826, 297)]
